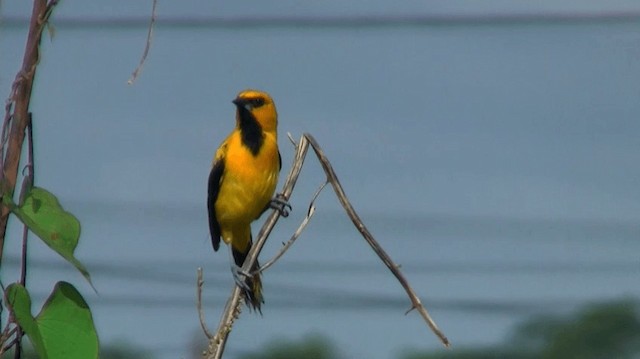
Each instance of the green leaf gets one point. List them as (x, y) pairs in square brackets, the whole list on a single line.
[(19, 303), (64, 328), (66, 325), (59, 229)]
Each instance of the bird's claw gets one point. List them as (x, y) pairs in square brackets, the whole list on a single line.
[(240, 277), (280, 204)]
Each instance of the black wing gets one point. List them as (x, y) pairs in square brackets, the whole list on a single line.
[(214, 188)]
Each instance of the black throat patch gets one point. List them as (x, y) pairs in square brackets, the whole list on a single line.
[(250, 131)]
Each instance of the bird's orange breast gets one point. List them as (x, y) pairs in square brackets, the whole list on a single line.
[(248, 182)]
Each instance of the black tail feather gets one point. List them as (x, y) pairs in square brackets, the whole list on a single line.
[(253, 296)]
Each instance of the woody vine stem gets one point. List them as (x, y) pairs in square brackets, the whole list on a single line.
[(232, 310), (17, 119)]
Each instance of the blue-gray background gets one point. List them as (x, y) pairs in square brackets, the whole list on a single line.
[(497, 161)]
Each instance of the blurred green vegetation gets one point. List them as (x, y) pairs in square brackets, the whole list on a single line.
[(603, 331), (310, 347), (114, 350)]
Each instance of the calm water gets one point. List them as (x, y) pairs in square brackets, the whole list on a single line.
[(497, 164)]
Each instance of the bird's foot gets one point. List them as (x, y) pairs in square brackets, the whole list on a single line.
[(240, 277), (280, 204)]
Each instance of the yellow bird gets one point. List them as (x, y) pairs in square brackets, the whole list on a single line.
[(242, 183)]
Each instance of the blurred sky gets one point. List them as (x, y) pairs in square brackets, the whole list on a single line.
[(513, 143)]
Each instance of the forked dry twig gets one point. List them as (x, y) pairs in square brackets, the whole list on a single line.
[(7, 333), (147, 46), (232, 309), (342, 197), (199, 285), (297, 233)]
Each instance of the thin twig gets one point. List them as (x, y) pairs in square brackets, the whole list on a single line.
[(342, 197), (231, 312), (297, 233), (5, 132), (232, 308), (138, 69), (8, 347), (27, 183), (6, 334), (199, 284), (9, 330), (291, 139), (23, 269), (17, 107)]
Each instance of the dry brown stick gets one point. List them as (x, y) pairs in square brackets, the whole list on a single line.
[(217, 344), (232, 309), (342, 197), (199, 284), (17, 106), (7, 333), (296, 234), (147, 46)]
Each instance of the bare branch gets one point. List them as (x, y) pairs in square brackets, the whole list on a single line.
[(13, 342), (293, 142), (138, 69), (342, 197), (17, 107), (27, 183), (297, 233), (199, 284), (7, 333), (232, 309)]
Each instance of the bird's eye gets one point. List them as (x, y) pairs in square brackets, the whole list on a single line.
[(257, 102)]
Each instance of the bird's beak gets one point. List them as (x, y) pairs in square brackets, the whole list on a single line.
[(241, 102)]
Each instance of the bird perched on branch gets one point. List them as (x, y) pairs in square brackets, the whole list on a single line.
[(242, 183)]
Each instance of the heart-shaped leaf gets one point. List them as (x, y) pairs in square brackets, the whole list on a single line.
[(19, 303), (59, 229), (64, 328)]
